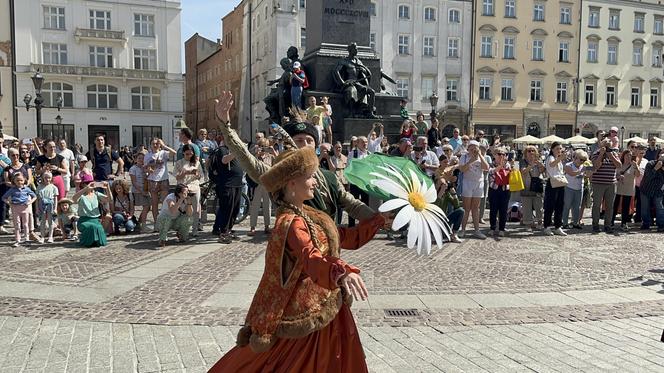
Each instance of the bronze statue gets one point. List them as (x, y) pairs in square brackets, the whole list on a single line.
[(278, 100), (354, 79), (383, 75)]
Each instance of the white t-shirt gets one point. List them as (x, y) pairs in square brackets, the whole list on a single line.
[(429, 159), (642, 168), (159, 161), (374, 145), (474, 174), (68, 155), (138, 172), (555, 170), (164, 207)]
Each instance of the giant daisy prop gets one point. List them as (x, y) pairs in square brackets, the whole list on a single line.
[(415, 201)]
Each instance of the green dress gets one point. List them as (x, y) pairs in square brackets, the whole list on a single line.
[(92, 233)]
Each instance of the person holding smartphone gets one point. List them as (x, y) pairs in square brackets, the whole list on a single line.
[(175, 214), (92, 233)]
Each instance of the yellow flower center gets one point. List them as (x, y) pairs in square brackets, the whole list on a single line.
[(417, 201)]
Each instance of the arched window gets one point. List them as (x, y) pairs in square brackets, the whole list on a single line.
[(52, 90), (404, 12), (454, 16), (102, 96), (146, 98)]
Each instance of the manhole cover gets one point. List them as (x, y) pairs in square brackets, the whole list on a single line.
[(399, 312)]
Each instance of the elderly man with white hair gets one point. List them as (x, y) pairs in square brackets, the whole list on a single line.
[(424, 158)]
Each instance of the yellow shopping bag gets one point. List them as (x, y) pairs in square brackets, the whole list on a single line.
[(516, 181)]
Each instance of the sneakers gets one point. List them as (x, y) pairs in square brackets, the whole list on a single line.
[(479, 235), (462, 234), (3, 230), (225, 239), (455, 238), (547, 231), (16, 244), (577, 226), (501, 233), (624, 227), (252, 232), (50, 240), (559, 232)]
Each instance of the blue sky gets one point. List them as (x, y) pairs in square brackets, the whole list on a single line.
[(204, 17)]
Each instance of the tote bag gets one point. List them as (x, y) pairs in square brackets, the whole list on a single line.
[(516, 181)]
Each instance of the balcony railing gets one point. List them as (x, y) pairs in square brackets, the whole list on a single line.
[(92, 34), (99, 71)]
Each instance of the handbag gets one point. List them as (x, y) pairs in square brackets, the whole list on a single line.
[(516, 181), (558, 181), (536, 185)]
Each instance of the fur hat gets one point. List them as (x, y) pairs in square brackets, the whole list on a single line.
[(289, 165)]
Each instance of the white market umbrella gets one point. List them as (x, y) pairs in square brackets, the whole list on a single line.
[(553, 138), (636, 139), (578, 139), (9, 138), (528, 139), (658, 140)]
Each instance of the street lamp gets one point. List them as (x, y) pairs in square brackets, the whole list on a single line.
[(38, 82), (58, 120), (622, 135), (433, 100)]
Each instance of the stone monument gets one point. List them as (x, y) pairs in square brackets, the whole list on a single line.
[(340, 64)]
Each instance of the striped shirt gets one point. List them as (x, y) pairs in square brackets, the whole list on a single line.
[(606, 173), (653, 180)]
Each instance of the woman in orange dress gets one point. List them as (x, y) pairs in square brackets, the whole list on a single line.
[(300, 318)]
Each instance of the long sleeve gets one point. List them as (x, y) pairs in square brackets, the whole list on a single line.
[(249, 163), (323, 270), (353, 206), (356, 237)]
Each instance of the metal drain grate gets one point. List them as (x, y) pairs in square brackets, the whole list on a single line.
[(400, 312)]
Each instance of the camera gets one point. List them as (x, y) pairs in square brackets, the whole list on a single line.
[(417, 148)]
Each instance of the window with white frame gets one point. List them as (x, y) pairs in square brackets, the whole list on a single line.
[(593, 17), (485, 89), (635, 97), (614, 19), (592, 51), (561, 92), (657, 56), (144, 24), (451, 90), (54, 17), (590, 94), (454, 16), (102, 96), (372, 41), (637, 54), (487, 7), (486, 46), (429, 14), (658, 25), (54, 53), (145, 59), (303, 4), (508, 47), (612, 54), (538, 50), (654, 97), (372, 8), (303, 38), (101, 56), (403, 87), (563, 51), (538, 12), (453, 47), (565, 15), (404, 12), (404, 43), (100, 19), (536, 90), (610, 95), (428, 43), (639, 22), (510, 8), (52, 90), (506, 89), (427, 86), (145, 98)]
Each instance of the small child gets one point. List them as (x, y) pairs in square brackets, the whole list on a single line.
[(48, 195), (20, 198), (67, 219), (82, 170)]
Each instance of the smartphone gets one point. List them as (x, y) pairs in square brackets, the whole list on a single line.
[(510, 157)]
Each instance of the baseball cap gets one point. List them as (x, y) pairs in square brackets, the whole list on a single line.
[(614, 128), (474, 142), (82, 158)]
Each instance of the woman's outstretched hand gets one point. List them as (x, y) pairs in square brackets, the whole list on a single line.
[(222, 106), (353, 284)]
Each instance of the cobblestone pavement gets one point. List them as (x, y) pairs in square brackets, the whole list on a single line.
[(522, 303), (627, 345)]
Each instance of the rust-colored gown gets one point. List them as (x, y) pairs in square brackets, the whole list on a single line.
[(335, 348)]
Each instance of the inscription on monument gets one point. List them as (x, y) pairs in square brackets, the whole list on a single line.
[(338, 22)]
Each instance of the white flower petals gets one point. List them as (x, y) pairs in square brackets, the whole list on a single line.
[(392, 204), (391, 188), (403, 217)]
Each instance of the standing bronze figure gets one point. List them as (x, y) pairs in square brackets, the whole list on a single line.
[(354, 81)]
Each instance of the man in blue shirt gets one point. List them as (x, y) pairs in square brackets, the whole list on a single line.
[(207, 147), (455, 141)]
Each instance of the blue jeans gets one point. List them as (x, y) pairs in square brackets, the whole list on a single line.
[(646, 204), (455, 218), (572, 202), (119, 221), (296, 96)]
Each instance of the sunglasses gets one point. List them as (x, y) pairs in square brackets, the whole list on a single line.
[(530, 151), (13, 155)]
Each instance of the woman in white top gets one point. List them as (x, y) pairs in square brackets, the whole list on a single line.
[(188, 171), (175, 214), (642, 162), (472, 165), (626, 176), (554, 198), (574, 172), (156, 168)]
